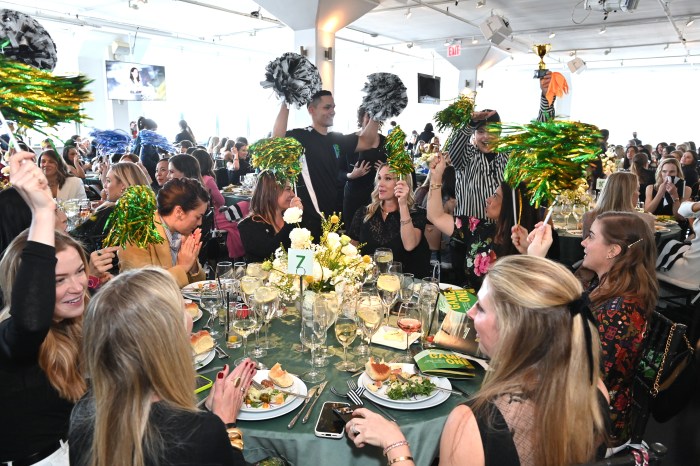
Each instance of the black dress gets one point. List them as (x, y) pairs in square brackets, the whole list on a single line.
[(260, 240), (358, 192)]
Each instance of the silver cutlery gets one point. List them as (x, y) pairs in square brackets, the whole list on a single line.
[(305, 419), (259, 386), (312, 392), (355, 389), (220, 352)]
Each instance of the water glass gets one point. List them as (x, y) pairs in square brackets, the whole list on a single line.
[(224, 270), (369, 316), (243, 323), (383, 257), (210, 299), (311, 340), (345, 333), (406, 286), (268, 300)]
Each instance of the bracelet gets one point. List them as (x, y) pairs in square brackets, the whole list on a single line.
[(405, 222), (435, 186), (675, 199), (394, 445), (235, 436), (400, 458)]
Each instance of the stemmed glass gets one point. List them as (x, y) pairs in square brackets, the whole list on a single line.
[(395, 267), (72, 208), (388, 285), (312, 335), (209, 298), (369, 316), (268, 300), (254, 305), (566, 211), (244, 323), (248, 286), (345, 333), (409, 320), (427, 297), (406, 286), (255, 269), (382, 257), (326, 303), (577, 213), (224, 272)]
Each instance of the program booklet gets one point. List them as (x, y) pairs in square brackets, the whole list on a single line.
[(445, 363), (457, 332)]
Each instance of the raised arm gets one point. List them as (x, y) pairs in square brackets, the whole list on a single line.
[(436, 213), (280, 128), (369, 137)]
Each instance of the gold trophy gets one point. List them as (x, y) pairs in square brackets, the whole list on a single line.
[(541, 50)]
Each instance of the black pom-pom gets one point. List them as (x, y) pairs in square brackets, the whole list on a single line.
[(386, 96), (26, 41), (293, 77)]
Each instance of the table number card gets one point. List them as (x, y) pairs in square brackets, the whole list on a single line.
[(300, 262)]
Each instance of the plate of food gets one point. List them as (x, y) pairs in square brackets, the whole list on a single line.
[(385, 387), (665, 219), (661, 228), (270, 402), (193, 290), (193, 310), (202, 348)]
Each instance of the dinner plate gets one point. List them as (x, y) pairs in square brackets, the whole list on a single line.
[(290, 404), (421, 402), (443, 287), (193, 290), (203, 359), (199, 311), (393, 337)]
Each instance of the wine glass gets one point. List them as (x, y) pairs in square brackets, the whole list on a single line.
[(369, 316), (326, 308), (209, 298), (406, 286), (427, 298), (244, 324), (382, 257), (268, 299), (409, 320), (248, 286), (345, 333), (224, 270), (311, 340), (566, 211), (388, 285), (255, 269), (395, 267), (254, 305)]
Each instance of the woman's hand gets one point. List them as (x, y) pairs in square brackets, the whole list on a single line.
[(670, 188), (359, 170), (401, 192), (518, 235), (31, 183), (229, 391), (101, 261), (437, 168), (189, 251), (540, 240), (296, 202), (372, 429)]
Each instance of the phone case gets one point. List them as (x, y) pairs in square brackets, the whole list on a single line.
[(328, 424), (202, 383), (346, 412)]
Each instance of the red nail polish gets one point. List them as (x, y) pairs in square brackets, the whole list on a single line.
[(220, 375), (225, 367)]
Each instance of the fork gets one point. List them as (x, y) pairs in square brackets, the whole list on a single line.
[(359, 391), (220, 352)]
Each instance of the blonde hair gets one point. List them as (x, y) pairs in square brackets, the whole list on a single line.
[(660, 177), (376, 203), (541, 353), (59, 353), (129, 174), (136, 349), (617, 193)]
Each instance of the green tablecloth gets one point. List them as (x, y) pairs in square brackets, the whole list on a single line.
[(232, 198), (299, 446)]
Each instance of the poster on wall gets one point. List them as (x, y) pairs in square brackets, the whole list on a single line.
[(134, 81)]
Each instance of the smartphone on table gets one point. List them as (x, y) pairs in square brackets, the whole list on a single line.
[(202, 383), (329, 424)]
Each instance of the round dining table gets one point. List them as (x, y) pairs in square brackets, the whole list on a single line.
[(299, 445)]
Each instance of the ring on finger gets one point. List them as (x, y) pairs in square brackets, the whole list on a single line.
[(237, 382), (99, 253), (354, 430)]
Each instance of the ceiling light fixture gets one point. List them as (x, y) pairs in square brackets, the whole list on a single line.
[(607, 51), (409, 45), (603, 30), (690, 22), (552, 34), (408, 14), (481, 3), (474, 42), (448, 42)]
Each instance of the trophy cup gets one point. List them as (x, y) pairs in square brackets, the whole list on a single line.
[(541, 50)]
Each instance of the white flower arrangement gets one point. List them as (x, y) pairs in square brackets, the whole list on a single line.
[(292, 215)]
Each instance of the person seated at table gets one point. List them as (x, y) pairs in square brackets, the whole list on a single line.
[(240, 165), (679, 266), (44, 280), (184, 166), (645, 176), (689, 166), (63, 185), (621, 251), (264, 229), (663, 198), (391, 221), (74, 165), (542, 402), (182, 204), (620, 194), (140, 408), (229, 152), (161, 174)]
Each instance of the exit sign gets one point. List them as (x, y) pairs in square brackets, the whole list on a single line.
[(454, 50)]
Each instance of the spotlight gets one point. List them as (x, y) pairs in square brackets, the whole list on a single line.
[(481, 3), (474, 42), (690, 22), (408, 14), (328, 54), (607, 51), (603, 30), (409, 45), (576, 65), (448, 42), (552, 34)]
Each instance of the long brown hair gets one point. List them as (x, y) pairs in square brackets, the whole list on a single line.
[(263, 204), (61, 170), (632, 274), (59, 354)]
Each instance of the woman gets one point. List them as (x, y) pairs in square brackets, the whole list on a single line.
[(630, 152), (185, 133), (213, 142), (229, 152), (689, 166), (390, 221), (663, 198), (620, 194), (184, 166), (541, 402), (621, 252), (71, 157), (682, 269), (241, 163), (645, 176), (264, 229), (44, 281), (63, 185), (357, 171), (136, 330), (427, 135), (182, 204), (162, 172), (147, 153)]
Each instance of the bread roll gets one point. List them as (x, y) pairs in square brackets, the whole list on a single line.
[(201, 342), (280, 377), (192, 309), (377, 370)]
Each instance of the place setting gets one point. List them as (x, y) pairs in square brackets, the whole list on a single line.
[(274, 393)]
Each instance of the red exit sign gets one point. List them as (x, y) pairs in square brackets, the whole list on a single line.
[(454, 50)]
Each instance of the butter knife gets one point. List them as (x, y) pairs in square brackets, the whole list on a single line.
[(311, 393), (316, 397)]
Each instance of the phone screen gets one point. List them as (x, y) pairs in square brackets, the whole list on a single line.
[(329, 424), (202, 383)]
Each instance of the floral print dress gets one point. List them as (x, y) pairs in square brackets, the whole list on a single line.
[(478, 235)]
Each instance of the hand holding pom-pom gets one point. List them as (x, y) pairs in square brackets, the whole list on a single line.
[(386, 96), (293, 77)]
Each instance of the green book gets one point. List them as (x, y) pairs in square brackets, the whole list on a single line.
[(444, 363)]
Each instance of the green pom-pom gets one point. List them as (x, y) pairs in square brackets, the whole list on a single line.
[(454, 116), (131, 221), (280, 156), (398, 159)]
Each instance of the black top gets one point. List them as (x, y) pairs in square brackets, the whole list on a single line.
[(496, 438), (380, 233), (33, 414), (244, 167), (184, 135), (260, 240), (690, 174), (348, 161), (91, 231), (188, 438), (426, 137)]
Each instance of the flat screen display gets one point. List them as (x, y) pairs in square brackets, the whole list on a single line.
[(428, 89), (134, 81)]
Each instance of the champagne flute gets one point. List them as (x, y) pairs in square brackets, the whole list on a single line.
[(268, 299), (210, 298), (369, 316), (409, 320), (254, 305), (406, 286), (244, 324), (309, 339), (345, 333), (388, 285), (223, 277), (382, 257)]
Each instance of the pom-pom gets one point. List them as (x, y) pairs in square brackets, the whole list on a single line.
[(131, 221), (398, 159), (293, 77), (386, 96), (110, 142), (35, 98), (454, 116), (548, 156), (151, 138), (24, 40), (557, 87), (278, 155)]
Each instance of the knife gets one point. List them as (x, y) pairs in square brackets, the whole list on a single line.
[(316, 397), (311, 393)]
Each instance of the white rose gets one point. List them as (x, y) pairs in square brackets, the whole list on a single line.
[(301, 238), (333, 241), (349, 250), (318, 272), (292, 215)]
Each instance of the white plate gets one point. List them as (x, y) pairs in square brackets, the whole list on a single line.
[(199, 311), (434, 400), (443, 286), (204, 359), (193, 290), (262, 375), (291, 403), (387, 336)]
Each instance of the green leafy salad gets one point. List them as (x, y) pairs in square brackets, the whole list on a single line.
[(414, 386)]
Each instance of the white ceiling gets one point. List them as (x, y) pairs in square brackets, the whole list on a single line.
[(644, 33)]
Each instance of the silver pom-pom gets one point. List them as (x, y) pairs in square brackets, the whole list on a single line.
[(26, 41), (293, 77), (386, 96)]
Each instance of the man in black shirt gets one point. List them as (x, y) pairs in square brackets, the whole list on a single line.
[(319, 187)]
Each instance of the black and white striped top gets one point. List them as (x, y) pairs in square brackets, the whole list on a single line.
[(477, 177)]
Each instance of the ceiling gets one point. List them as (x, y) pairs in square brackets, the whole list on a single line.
[(654, 30)]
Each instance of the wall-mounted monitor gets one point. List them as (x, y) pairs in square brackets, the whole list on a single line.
[(428, 89), (134, 81)]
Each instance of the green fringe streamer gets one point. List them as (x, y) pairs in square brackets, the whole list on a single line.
[(131, 221), (398, 159), (280, 156), (548, 157), (454, 116)]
